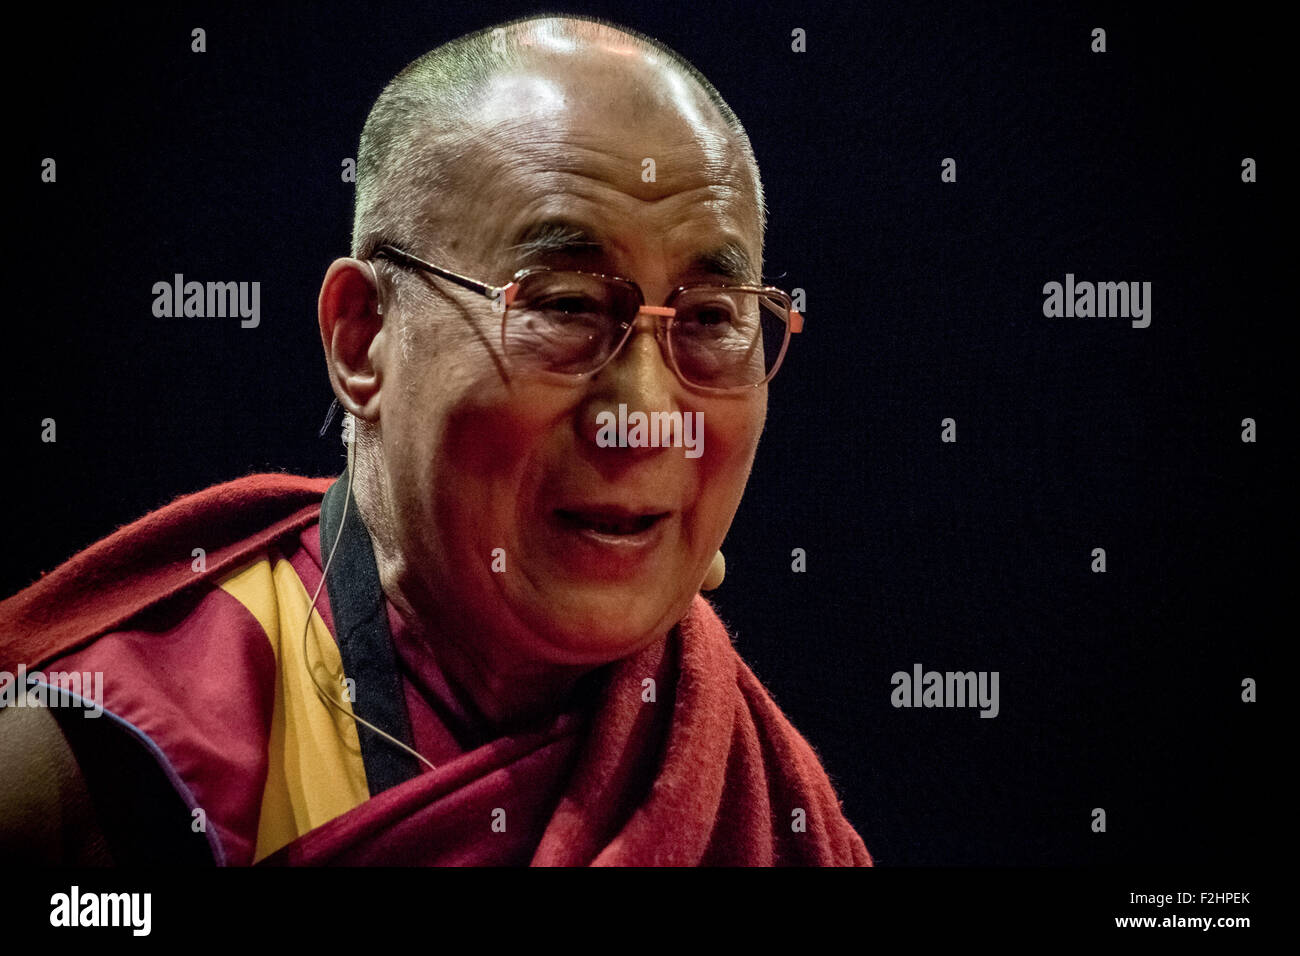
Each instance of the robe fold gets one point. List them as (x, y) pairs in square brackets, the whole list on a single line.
[(677, 756)]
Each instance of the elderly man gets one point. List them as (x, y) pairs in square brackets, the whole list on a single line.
[(486, 644)]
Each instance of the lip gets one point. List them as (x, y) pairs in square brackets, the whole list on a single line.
[(581, 540), (616, 520)]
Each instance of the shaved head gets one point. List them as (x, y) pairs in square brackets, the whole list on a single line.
[(423, 139)]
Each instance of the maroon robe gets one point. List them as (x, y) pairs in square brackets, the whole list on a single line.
[(709, 772)]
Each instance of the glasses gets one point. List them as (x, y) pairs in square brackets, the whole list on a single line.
[(568, 325)]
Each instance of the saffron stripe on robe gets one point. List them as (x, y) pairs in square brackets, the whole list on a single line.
[(314, 766)]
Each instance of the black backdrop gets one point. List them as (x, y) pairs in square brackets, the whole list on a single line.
[(1119, 690)]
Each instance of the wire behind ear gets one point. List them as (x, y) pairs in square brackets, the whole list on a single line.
[(379, 296)]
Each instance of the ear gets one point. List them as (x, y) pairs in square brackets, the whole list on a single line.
[(352, 332)]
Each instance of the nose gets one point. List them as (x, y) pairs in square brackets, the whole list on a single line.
[(638, 377)]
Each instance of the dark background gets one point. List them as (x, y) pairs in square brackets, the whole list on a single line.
[(1118, 690)]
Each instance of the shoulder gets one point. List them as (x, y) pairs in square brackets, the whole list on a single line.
[(193, 540), (89, 793), (169, 632)]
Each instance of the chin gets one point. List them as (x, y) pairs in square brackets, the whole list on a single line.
[(602, 624)]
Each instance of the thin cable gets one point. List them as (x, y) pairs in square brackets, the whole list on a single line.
[(320, 691)]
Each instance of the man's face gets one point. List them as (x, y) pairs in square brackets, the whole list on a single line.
[(487, 468)]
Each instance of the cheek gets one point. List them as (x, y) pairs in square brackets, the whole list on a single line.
[(490, 460), (496, 436), (731, 434), (455, 417)]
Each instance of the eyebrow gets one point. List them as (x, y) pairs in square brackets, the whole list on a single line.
[(557, 237), (554, 237)]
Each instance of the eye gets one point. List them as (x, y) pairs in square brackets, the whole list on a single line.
[(567, 303), (711, 314)]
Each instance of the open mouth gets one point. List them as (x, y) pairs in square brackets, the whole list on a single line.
[(609, 522)]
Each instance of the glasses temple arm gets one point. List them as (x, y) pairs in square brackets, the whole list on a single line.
[(406, 259)]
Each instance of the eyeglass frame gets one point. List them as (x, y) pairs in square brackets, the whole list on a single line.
[(503, 296)]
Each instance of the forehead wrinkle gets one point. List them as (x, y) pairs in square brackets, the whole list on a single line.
[(589, 203), (548, 176), (521, 156), (554, 237), (614, 159), (557, 234), (580, 198), (569, 146)]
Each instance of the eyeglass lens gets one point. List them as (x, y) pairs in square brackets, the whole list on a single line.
[(571, 322)]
